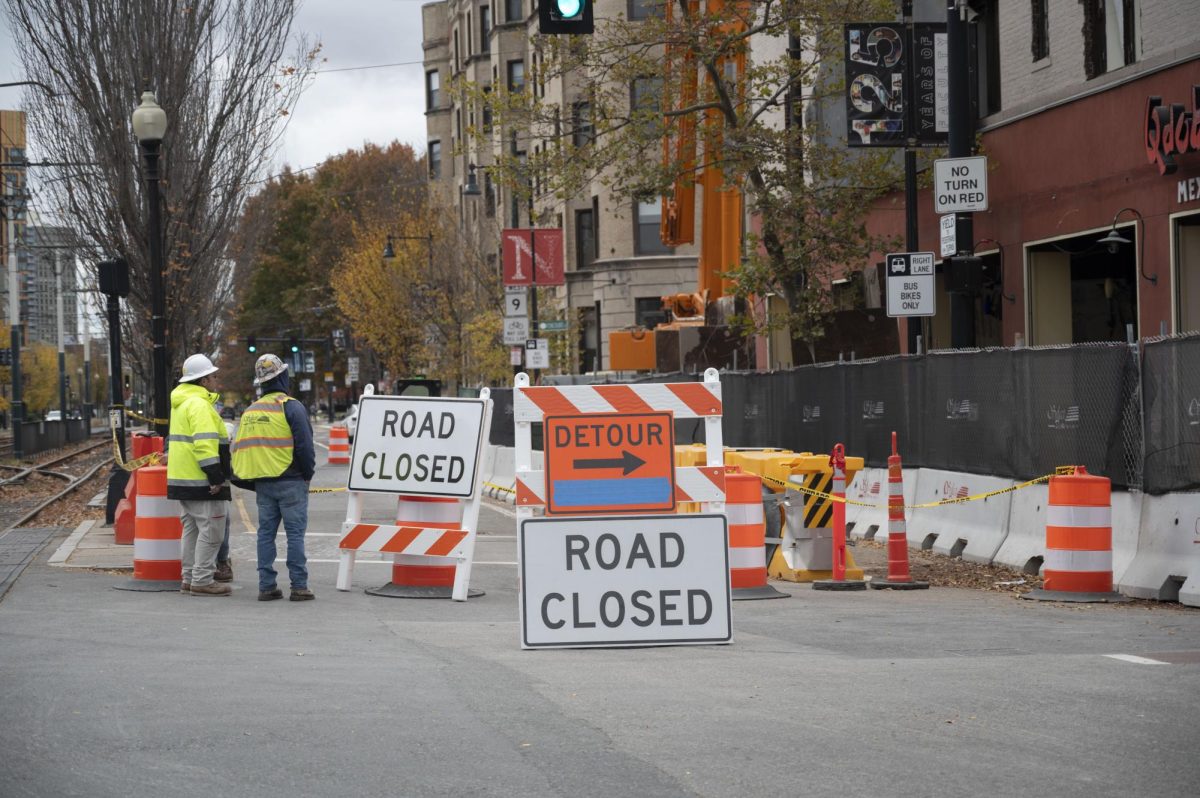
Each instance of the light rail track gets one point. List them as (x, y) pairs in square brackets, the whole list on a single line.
[(38, 486)]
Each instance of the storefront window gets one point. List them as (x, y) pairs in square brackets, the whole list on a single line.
[(1187, 273), (1081, 292)]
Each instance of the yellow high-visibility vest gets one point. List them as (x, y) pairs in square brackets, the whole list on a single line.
[(263, 445)]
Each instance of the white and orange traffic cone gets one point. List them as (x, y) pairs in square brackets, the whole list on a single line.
[(898, 577), (747, 537)]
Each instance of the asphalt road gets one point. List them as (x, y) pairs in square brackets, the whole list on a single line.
[(937, 693)]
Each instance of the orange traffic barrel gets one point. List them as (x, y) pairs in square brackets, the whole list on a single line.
[(1078, 561), (747, 538), (422, 575), (157, 535), (339, 445)]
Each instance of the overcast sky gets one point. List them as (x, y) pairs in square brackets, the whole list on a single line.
[(339, 110)]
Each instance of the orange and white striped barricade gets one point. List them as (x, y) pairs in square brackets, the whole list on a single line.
[(747, 537), (837, 460), (898, 576), (157, 536), (1078, 562), (612, 492), (339, 445), (428, 453)]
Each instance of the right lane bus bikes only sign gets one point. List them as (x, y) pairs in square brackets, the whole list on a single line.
[(910, 284)]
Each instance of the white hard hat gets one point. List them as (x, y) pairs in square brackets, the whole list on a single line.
[(195, 367), (267, 367)]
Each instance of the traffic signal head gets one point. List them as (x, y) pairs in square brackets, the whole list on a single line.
[(565, 16), (251, 344), (295, 344)]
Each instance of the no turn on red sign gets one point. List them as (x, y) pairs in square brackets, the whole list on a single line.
[(610, 463)]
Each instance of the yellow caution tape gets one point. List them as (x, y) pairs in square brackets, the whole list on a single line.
[(150, 459), (498, 487), (147, 419), (1060, 471), (325, 490)]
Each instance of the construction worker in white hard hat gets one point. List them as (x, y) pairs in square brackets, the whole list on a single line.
[(198, 471), (273, 452)]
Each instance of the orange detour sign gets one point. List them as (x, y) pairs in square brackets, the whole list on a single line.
[(610, 463)]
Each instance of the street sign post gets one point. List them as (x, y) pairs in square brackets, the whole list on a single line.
[(960, 185), (949, 237), (417, 446), (610, 463), (624, 581), (910, 284)]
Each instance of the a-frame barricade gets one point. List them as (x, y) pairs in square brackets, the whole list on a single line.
[(433, 539)]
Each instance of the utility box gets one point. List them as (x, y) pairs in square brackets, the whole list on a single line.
[(631, 350)]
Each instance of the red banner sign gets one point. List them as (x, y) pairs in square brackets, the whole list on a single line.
[(522, 246)]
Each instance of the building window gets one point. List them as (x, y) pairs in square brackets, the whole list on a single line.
[(645, 99), (1110, 35), (514, 210), (1040, 18), (433, 90), (644, 9), (516, 75), (582, 131), (987, 53), (489, 196), (585, 239), (435, 160), (648, 311), (513, 11), (648, 240), (486, 113), (485, 28)]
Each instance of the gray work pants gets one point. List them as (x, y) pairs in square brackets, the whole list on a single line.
[(203, 531)]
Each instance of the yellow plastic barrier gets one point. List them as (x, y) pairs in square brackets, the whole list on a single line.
[(806, 552)]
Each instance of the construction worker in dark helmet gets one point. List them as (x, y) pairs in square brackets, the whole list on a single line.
[(198, 475), (273, 456)]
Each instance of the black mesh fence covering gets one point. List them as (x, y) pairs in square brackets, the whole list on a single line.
[(1009, 412), (1171, 376), (1016, 413)]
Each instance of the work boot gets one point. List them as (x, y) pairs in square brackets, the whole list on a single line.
[(224, 572), (301, 594), (185, 587), (270, 595), (211, 589)]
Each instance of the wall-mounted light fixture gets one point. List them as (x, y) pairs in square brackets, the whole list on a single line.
[(1115, 240)]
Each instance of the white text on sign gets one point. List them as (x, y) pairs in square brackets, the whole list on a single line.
[(624, 581), (420, 446)]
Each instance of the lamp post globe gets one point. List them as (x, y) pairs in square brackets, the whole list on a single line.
[(150, 125)]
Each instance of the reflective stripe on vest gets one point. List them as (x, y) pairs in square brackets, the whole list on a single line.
[(263, 447)]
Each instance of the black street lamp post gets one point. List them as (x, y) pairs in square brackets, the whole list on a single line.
[(149, 125)]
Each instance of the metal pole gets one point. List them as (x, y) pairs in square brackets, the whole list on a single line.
[(962, 131), (86, 388), (911, 227), (116, 391), (158, 321), (62, 350), (533, 310), (14, 321)]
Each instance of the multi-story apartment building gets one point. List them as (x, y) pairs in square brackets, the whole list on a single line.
[(12, 199), (617, 268), (1087, 114)]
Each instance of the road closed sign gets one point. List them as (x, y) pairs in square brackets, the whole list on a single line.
[(421, 446), (624, 581), (610, 463)]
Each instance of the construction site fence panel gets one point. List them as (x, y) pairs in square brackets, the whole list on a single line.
[(1128, 412)]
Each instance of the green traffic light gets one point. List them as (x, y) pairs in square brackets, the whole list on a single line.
[(569, 9), (252, 349)]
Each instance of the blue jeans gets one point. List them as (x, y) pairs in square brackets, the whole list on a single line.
[(285, 499)]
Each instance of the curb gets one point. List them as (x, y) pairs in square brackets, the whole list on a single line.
[(59, 557)]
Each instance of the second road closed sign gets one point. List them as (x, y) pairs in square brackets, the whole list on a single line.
[(610, 463)]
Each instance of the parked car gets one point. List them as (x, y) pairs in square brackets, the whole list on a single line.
[(54, 415), (351, 421)]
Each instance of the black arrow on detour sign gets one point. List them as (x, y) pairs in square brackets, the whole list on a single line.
[(628, 462)]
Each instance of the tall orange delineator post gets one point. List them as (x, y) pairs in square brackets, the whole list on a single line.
[(747, 537), (158, 533), (898, 577), (1078, 562), (837, 460)]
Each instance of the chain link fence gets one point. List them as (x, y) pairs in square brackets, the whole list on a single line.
[(1171, 413)]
